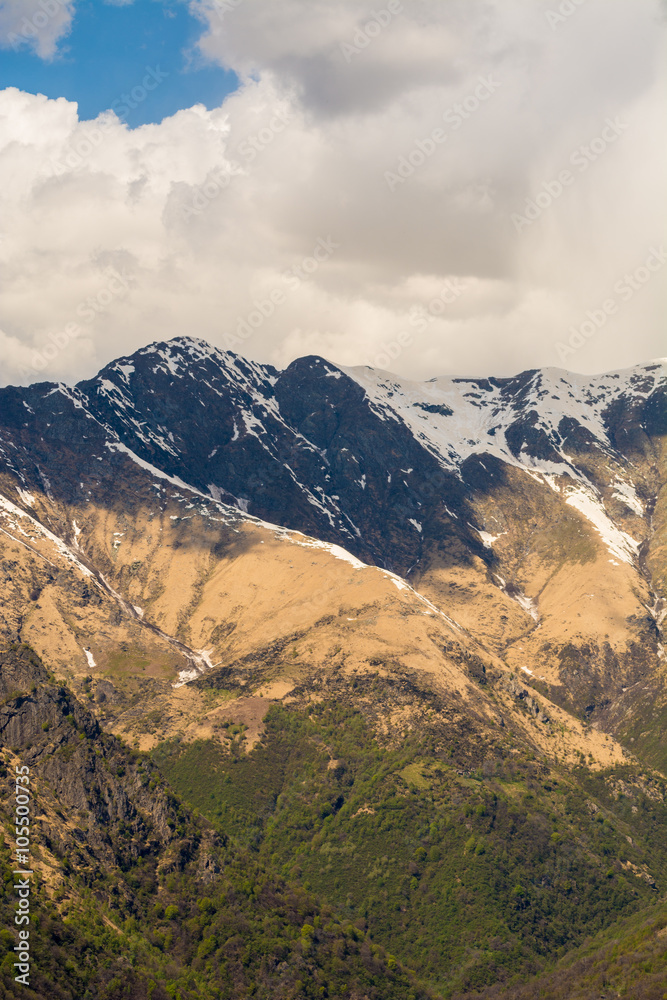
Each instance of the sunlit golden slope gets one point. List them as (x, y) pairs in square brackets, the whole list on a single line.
[(133, 608)]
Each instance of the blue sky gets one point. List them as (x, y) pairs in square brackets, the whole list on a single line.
[(107, 53)]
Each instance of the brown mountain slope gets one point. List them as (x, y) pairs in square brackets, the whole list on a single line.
[(530, 510), (132, 605)]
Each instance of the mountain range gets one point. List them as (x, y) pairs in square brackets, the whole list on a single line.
[(394, 646)]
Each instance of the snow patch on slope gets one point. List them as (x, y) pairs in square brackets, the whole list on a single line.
[(26, 497), (457, 418), (625, 492), (528, 604), (174, 480), (202, 662), (335, 550), (18, 519), (488, 539), (525, 602), (618, 543)]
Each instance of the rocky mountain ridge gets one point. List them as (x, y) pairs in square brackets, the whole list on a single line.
[(402, 643), (529, 510)]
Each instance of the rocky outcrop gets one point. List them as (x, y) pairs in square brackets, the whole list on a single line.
[(122, 807)]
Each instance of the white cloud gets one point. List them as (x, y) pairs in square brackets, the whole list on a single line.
[(201, 216), (35, 24), (342, 56)]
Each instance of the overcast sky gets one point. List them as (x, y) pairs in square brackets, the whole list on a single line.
[(451, 187)]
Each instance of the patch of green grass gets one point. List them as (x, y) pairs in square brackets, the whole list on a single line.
[(127, 662), (570, 541), (415, 774)]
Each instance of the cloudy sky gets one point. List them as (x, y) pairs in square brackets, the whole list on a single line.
[(436, 187)]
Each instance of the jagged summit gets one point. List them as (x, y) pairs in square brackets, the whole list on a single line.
[(487, 494), (353, 456)]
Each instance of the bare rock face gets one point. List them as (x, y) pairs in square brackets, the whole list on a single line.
[(80, 772), (36, 714)]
